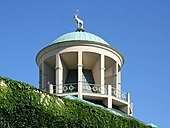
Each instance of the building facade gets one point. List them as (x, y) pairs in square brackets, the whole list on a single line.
[(86, 66)]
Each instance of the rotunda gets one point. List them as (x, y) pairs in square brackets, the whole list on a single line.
[(86, 66)]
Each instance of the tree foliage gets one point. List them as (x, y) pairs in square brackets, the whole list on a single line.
[(24, 106)]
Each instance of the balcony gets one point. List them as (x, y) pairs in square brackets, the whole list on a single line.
[(119, 94), (90, 89), (65, 88), (95, 89)]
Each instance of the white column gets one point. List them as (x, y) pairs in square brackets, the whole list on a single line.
[(50, 88), (129, 111), (102, 68), (109, 96), (43, 83), (80, 65), (40, 76), (117, 80), (59, 74)]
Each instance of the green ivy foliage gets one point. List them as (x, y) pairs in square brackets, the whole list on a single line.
[(24, 106)]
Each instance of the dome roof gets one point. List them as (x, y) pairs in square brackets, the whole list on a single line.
[(84, 36)]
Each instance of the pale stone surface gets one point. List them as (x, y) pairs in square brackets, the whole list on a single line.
[(105, 62)]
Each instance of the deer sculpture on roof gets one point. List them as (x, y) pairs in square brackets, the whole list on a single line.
[(79, 22)]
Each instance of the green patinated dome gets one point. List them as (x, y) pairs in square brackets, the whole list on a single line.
[(84, 36)]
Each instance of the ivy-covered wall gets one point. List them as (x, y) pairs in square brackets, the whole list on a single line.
[(24, 106)]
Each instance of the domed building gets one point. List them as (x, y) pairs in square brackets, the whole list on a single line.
[(86, 66)]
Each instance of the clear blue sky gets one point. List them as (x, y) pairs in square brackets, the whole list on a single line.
[(139, 29)]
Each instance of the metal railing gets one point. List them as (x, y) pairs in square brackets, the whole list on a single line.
[(89, 88), (119, 94), (95, 88), (64, 88)]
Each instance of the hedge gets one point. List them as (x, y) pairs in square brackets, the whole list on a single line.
[(24, 106)]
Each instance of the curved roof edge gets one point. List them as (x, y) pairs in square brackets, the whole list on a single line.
[(68, 43)]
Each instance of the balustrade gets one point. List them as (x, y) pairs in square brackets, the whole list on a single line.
[(119, 94), (88, 88), (95, 88), (65, 88)]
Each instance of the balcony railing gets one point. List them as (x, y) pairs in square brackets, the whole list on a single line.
[(65, 88), (119, 94), (95, 88), (88, 88)]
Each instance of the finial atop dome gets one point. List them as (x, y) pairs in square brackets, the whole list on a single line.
[(79, 21)]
